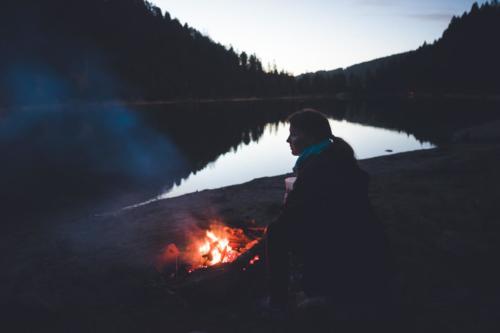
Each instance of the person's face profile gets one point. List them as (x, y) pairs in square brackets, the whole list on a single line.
[(297, 140)]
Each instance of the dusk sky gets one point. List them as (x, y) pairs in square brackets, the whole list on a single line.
[(303, 36)]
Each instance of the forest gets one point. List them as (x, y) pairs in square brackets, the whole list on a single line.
[(59, 51)]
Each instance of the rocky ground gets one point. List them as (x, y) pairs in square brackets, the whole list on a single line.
[(98, 273)]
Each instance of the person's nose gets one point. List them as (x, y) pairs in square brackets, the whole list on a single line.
[(288, 139)]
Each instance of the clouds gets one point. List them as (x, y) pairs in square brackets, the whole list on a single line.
[(440, 17), (421, 11)]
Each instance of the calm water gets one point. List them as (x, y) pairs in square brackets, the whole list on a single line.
[(270, 155), (116, 156)]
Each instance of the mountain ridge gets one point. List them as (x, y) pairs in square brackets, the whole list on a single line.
[(462, 60)]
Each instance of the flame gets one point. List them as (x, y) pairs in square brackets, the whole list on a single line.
[(216, 250), (218, 244)]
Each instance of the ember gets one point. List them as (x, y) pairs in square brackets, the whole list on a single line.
[(254, 259)]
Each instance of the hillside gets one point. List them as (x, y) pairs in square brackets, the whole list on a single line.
[(95, 50), (464, 61), (58, 51)]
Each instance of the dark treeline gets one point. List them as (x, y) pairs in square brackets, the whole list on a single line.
[(464, 61), (60, 50), (92, 50)]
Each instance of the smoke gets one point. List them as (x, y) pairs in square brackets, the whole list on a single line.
[(28, 84), (67, 156)]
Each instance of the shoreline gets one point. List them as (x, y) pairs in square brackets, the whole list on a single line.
[(340, 97), (181, 101), (160, 197)]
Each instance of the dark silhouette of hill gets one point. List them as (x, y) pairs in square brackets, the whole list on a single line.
[(92, 50), (60, 50), (322, 82), (464, 61)]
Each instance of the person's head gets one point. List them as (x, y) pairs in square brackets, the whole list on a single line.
[(307, 127)]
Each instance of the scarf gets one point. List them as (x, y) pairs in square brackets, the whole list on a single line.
[(311, 150)]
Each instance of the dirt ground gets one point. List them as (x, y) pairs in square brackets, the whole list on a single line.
[(97, 273)]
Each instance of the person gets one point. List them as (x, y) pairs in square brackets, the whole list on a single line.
[(328, 223)]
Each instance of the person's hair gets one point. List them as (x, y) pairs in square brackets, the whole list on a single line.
[(312, 123), (315, 125)]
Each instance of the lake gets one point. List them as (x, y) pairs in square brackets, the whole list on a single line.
[(270, 155), (106, 157)]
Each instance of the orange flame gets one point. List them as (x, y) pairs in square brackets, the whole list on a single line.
[(218, 244), (216, 250)]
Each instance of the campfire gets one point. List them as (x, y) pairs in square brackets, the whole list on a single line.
[(216, 245)]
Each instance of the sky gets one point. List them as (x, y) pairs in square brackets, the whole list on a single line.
[(308, 35)]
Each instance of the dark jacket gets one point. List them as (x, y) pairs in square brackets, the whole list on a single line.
[(330, 224)]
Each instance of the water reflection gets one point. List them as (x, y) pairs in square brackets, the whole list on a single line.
[(270, 155), (232, 143), (117, 155)]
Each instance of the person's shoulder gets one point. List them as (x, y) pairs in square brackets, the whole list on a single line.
[(337, 163), (318, 168), (314, 164), (333, 158)]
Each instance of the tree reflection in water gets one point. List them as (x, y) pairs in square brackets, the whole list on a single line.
[(123, 155)]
